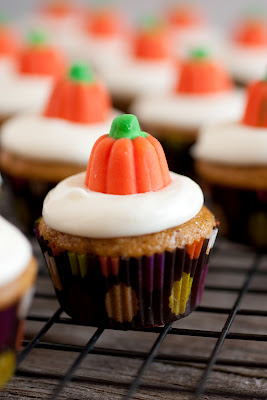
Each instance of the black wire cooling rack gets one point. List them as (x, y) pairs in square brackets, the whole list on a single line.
[(222, 256)]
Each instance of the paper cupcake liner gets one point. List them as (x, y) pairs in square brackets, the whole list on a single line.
[(242, 214), (27, 198), (129, 292), (11, 332)]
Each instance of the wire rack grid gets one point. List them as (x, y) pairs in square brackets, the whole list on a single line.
[(227, 259)]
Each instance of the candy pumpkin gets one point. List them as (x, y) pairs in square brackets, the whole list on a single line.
[(8, 39), (201, 75), (58, 9), (153, 41), (127, 160), (107, 22), (39, 58), (256, 108), (185, 16), (79, 98), (252, 33)]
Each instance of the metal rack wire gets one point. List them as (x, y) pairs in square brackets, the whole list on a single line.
[(162, 332)]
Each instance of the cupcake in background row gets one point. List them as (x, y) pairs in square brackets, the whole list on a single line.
[(9, 47), (17, 276), (203, 94), (191, 29), (103, 39), (127, 243), (232, 160), (150, 69), (38, 150), (38, 65), (246, 54)]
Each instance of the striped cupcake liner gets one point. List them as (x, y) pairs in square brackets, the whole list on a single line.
[(126, 293), (242, 214), (11, 334)]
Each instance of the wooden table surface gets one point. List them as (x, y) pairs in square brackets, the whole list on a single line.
[(106, 377)]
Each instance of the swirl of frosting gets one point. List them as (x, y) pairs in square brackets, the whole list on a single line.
[(13, 263), (52, 139), (190, 111), (234, 144), (99, 215)]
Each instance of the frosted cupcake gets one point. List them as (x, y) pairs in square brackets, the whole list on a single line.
[(246, 55), (38, 150), (191, 29), (17, 276), (38, 65), (127, 243), (102, 40), (232, 160), (204, 94), (150, 69)]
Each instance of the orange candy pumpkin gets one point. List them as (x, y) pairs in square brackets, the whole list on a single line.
[(38, 58), (107, 22), (127, 161), (78, 98), (59, 9), (153, 41), (185, 16), (201, 75), (252, 33), (256, 107), (8, 41)]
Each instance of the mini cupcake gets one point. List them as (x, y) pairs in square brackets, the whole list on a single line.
[(203, 94), (127, 243), (38, 65), (101, 40), (232, 160), (246, 54), (39, 150), (9, 46), (191, 28), (149, 69), (17, 276)]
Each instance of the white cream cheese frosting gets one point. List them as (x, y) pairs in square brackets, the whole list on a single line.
[(7, 68), (246, 63), (52, 139), (15, 252), (190, 111), (73, 208), (24, 93), (233, 143), (140, 77)]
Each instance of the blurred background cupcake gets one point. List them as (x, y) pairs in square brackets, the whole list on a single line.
[(40, 149), (17, 276), (38, 65), (148, 269), (151, 67), (232, 160), (203, 94), (246, 52)]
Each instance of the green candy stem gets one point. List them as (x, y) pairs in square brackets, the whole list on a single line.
[(199, 54), (126, 126), (37, 38), (81, 72)]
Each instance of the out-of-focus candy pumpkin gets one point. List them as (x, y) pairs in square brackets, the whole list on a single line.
[(199, 74), (40, 58), (79, 98), (256, 108)]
